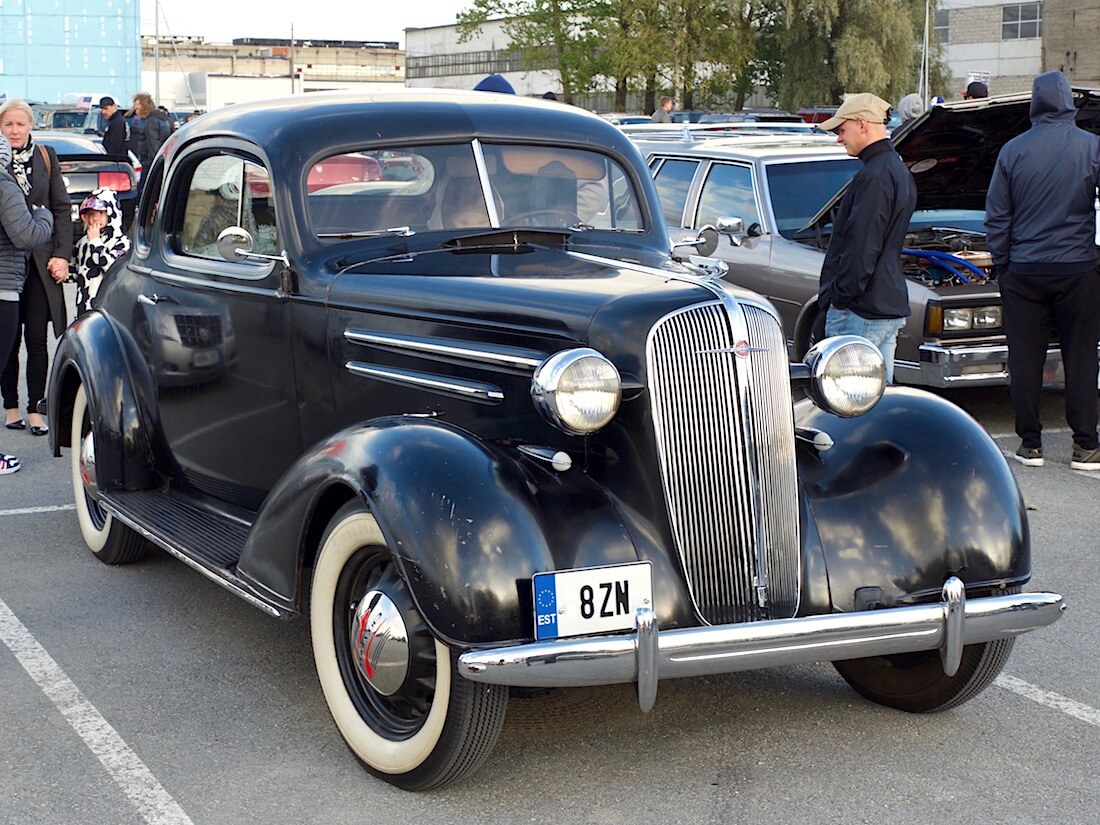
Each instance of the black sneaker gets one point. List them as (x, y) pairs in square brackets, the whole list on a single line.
[(1030, 456), (1085, 459)]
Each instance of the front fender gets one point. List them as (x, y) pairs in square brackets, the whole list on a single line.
[(911, 493), (468, 522), (95, 353)]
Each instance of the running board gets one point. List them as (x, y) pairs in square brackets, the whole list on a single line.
[(204, 539)]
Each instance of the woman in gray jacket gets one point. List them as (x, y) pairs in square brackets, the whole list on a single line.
[(21, 229)]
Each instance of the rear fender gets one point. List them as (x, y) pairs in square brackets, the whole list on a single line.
[(460, 516), (95, 353), (909, 494)]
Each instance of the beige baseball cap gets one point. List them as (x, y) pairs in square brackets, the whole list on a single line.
[(865, 105)]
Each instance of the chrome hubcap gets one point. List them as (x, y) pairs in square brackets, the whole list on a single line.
[(87, 466), (380, 643)]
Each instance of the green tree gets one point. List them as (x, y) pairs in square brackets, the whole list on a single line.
[(820, 49), (557, 34)]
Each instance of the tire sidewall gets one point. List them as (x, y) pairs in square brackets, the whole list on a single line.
[(341, 542), (94, 537)]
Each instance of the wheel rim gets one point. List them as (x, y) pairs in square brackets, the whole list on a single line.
[(391, 686), (96, 514)]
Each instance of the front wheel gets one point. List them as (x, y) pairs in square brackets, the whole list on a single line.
[(111, 540), (391, 687), (915, 682)]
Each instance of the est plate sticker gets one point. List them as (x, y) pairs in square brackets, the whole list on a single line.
[(591, 600)]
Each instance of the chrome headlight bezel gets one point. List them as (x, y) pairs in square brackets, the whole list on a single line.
[(558, 380), (847, 375)]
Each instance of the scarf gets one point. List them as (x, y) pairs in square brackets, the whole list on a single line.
[(21, 165)]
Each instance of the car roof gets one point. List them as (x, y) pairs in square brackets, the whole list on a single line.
[(758, 146), (68, 143), (291, 124)]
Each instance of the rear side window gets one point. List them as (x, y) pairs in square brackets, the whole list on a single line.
[(673, 184)]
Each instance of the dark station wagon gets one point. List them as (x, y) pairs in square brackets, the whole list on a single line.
[(422, 368)]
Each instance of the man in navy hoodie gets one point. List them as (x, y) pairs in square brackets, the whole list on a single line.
[(1041, 225)]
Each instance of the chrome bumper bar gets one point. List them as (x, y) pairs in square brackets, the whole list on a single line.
[(648, 655)]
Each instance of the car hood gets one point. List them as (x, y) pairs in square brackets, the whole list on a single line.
[(952, 149)]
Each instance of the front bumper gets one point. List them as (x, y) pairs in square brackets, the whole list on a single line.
[(647, 655), (971, 365)]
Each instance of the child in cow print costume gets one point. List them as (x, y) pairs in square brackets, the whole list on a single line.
[(103, 244)]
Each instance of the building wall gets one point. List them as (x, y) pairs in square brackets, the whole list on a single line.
[(205, 91), (1071, 34), (975, 45), (435, 59), (194, 74), (56, 50)]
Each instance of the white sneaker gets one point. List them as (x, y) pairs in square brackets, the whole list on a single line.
[(10, 464)]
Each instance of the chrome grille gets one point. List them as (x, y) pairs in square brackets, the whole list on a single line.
[(725, 436)]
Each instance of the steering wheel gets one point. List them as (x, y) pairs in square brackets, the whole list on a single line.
[(571, 218)]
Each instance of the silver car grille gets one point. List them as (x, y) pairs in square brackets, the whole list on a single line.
[(720, 387)]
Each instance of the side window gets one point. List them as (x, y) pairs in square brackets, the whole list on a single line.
[(152, 181), (673, 184), (228, 191), (727, 191)]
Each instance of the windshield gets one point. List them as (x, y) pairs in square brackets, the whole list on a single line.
[(799, 189), (444, 188)]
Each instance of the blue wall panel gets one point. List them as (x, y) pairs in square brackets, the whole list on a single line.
[(53, 50)]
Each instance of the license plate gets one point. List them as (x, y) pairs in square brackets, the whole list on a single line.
[(206, 358), (591, 600)]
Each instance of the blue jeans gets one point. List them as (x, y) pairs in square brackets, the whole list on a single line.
[(882, 332)]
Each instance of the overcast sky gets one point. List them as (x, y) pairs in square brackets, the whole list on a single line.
[(220, 21)]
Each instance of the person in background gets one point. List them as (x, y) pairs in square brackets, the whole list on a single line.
[(495, 83), (37, 173), (116, 139), (661, 115), (103, 243), (975, 90), (910, 108), (1040, 223), (862, 285), (20, 229), (155, 129)]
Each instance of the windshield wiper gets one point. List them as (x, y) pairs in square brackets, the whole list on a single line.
[(395, 231)]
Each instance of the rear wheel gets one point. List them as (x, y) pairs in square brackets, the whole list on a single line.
[(915, 682), (111, 540), (391, 687)]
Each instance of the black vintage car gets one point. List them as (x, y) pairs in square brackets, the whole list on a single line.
[(484, 429)]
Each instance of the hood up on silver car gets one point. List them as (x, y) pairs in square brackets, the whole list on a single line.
[(952, 149)]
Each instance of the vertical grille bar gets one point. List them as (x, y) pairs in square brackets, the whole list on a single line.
[(724, 429)]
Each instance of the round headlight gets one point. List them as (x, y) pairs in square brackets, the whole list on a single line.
[(847, 375), (578, 390)]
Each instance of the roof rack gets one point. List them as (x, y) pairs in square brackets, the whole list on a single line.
[(691, 132)]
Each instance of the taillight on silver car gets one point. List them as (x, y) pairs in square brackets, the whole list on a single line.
[(577, 390), (847, 375)]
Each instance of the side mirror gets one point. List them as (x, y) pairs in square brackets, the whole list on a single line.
[(234, 243), (702, 244), (732, 228)]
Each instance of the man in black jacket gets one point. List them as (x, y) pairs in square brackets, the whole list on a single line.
[(1040, 221), (861, 280), (116, 139)]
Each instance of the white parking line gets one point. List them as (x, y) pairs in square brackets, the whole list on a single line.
[(153, 802), (1051, 700), (26, 511)]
